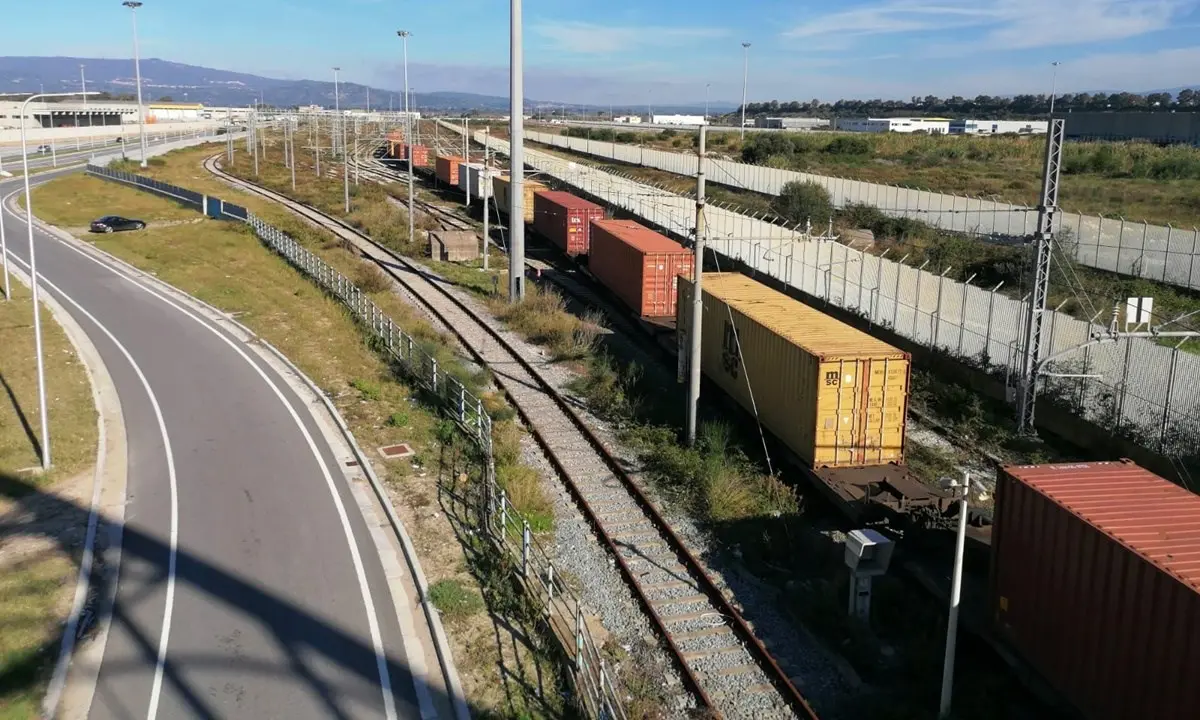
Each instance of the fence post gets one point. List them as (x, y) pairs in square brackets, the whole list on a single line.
[(1167, 253), (1083, 381), (579, 662), (1192, 282), (549, 589), (962, 315), (462, 404), (434, 373), (936, 325), (526, 542), (917, 308), (987, 340), (896, 297), (503, 516), (1124, 387)]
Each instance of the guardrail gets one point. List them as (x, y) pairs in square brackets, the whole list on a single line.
[(558, 607)]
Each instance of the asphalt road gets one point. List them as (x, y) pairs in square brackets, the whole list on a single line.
[(249, 586), (67, 154)]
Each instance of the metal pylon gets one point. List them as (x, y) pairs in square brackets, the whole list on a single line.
[(1043, 238)]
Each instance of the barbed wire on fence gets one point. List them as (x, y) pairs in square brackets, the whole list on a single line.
[(559, 607)]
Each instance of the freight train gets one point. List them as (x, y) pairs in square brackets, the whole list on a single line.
[(1094, 567)]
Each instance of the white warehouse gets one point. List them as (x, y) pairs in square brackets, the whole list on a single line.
[(999, 127), (678, 120), (933, 126)]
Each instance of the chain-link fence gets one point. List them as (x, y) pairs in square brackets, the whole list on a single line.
[(560, 609), (1166, 254), (1135, 387)]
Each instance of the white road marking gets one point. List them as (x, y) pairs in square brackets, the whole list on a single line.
[(162, 426), (356, 557)]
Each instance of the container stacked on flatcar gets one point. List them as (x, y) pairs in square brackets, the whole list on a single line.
[(640, 266), (475, 180), (420, 154), (447, 169), (565, 220), (502, 187), (836, 396), (1096, 582)]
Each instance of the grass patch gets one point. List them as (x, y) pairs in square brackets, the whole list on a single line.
[(69, 397), (76, 200), (541, 317), (31, 591), (454, 600)]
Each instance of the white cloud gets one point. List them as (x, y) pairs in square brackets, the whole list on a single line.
[(591, 39), (1003, 24)]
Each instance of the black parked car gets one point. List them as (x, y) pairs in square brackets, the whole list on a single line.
[(115, 223)]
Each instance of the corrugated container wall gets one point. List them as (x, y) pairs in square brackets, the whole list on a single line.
[(476, 177), (833, 394), (565, 220), (1096, 582), (420, 154), (502, 184), (447, 169), (639, 265)]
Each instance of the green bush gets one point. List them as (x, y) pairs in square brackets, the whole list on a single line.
[(849, 146), (368, 389), (626, 137), (370, 279), (398, 419), (801, 201), (668, 133), (454, 600), (764, 145)]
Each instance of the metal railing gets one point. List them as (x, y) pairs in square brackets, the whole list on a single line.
[(559, 608), (1164, 253), (1134, 387)]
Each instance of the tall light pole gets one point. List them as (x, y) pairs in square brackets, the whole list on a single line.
[(33, 282), (1053, 86), (408, 136), (706, 87), (83, 87), (745, 80), (337, 107), (337, 111), (133, 5), (516, 155), (962, 492)]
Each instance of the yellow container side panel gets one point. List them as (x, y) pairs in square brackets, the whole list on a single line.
[(501, 185), (841, 408)]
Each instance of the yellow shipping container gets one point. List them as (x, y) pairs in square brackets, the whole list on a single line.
[(500, 188), (833, 394)]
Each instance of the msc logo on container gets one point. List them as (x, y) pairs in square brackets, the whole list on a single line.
[(831, 378), (731, 357)]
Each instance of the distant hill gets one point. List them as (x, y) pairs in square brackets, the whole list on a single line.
[(180, 82)]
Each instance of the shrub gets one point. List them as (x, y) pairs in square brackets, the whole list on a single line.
[(368, 389), (370, 279), (677, 142), (801, 201), (454, 600), (763, 145), (849, 146), (626, 137), (398, 419), (668, 133)]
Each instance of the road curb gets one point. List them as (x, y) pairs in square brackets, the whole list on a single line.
[(72, 684)]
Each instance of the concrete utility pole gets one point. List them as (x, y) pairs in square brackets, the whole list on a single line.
[(133, 5), (337, 110), (408, 135), (292, 152), (83, 88), (693, 402), (516, 155), (745, 81), (466, 158), (1044, 239), (706, 88), (963, 491)]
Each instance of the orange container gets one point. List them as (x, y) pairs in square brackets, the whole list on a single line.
[(640, 266), (447, 169)]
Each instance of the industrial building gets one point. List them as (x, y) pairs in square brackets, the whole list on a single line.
[(999, 127), (790, 123), (678, 120), (67, 114), (173, 112), (933, 126), (628, 119), (1156, 127)]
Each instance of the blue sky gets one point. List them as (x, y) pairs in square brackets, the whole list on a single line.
[(628, 51)]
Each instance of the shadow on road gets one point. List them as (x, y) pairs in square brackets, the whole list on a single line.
[(303, 638)]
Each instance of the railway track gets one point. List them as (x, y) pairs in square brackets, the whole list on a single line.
[(722, 663)]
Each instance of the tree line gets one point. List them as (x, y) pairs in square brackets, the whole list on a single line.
[(1187, 100)]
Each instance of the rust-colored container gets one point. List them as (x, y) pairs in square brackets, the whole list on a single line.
[(502, 186), (447, 169), (1096, 582), (639, 265), (833, 394), (564, 219), (420, 154)]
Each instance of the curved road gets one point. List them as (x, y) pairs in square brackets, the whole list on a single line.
[(249, 586)]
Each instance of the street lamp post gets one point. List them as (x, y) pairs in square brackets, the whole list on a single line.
[(962, 492), (408, 135), (516, 155), (337, 111), (83, 87), (745, 80), (33, 282), (1053, 86), (706, 87), (133, 5), (345, 156)]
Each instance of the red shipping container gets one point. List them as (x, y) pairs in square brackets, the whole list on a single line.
[(1096, 582), (639, 265), (447, 169), (565, 220), (420, 155)]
